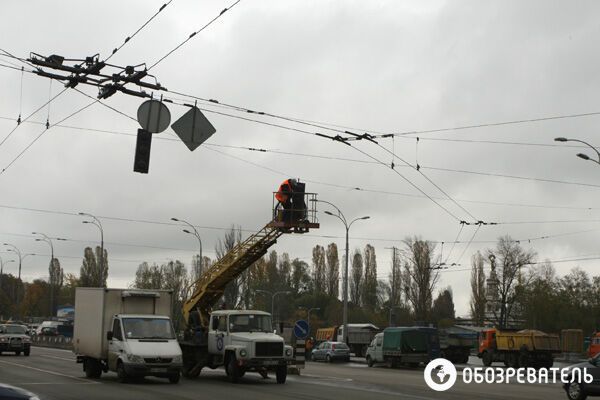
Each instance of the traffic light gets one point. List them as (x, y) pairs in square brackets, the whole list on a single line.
[(142, 151)]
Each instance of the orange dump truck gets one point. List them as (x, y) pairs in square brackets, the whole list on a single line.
[(526, 348)]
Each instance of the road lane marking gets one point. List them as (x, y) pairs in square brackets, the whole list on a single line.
[(53, 349), (45, 370), (363, 389), (53, 383), (58, 358)]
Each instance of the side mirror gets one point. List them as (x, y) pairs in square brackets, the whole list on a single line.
[(109, 335)]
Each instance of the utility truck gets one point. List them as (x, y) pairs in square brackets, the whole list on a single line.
[(525, 348), (126, 331), (243, 340)]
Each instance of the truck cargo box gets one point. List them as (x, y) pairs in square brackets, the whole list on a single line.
[(95, 307)]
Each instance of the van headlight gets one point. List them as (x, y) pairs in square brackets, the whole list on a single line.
[(243, 353), (177, 359), (288, 352), (135, 359), (3, 339)]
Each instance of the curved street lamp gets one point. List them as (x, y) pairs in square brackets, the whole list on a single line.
[(581, 155), (347, 225), (2, 263), (96, 222), (194, 233)]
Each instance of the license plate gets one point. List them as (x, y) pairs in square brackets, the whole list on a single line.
[(155, 370), (270, 362)]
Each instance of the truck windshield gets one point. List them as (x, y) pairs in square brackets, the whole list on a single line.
[(250, 323), (13, 329), (148, 328)]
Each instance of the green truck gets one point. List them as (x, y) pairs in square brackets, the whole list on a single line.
[(456, 344), (404, 345)]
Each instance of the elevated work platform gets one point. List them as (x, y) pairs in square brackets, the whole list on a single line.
[(209, 288)]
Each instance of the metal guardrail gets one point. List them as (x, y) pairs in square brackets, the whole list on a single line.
[(61, 342)]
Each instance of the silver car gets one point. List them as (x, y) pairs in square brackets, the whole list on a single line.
[(331, 351)]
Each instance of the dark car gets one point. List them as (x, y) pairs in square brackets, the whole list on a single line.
[(14, 338), (579, 391), (14, 393), (49, 331), (331, 351)]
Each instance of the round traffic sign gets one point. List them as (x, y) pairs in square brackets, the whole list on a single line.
[(153, 116)]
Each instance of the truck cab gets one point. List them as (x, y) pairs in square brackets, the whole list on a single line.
[(243, 341), (143, 345)]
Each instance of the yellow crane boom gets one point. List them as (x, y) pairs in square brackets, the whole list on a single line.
[(209, 288)]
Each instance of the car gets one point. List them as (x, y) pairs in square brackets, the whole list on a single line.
[(331, 351), (48, 331), (14, 338), (15, 393), (581, 390)]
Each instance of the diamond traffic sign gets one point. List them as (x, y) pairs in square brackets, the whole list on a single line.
[(193, 128)]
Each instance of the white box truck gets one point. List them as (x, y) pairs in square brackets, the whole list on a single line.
[(126, 331)]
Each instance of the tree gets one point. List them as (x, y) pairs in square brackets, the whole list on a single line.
[(356, 282), (232, 238), (300, 279), (56, 280), (333, 270), (148, 277), (508, 259), (35, 302), (319, 269), (175, 278), (395, 279), (89, 275), (443, 306), (369, 291), (419, 277), (478, 301)]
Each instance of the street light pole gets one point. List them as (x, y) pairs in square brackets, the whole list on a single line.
[(98, 224), (195, 233), (2, 262), (18, 252), (347, 225), (47, 239), (273, 295), (581, 155)]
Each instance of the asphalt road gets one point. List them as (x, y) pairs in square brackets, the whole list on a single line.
[(53, 374)]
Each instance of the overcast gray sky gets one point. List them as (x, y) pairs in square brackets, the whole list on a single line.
[(381, 66)]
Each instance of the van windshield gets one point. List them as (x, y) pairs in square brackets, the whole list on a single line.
[(250, 323), (148, 328)]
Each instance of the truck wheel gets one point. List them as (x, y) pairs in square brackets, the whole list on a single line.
[(487, 358), (370, 362), (121, 374), (174, 378), (92, 369), (281, 374), (233, 371), (26, 352)]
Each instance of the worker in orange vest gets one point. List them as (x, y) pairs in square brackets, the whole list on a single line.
[(284, 197)]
